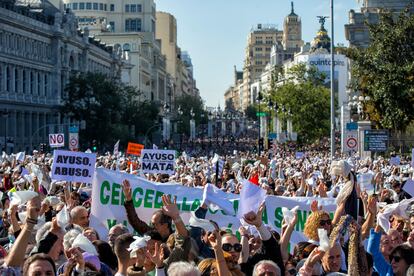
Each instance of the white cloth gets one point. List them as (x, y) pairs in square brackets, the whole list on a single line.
[(213, 195), (399, 209), (251, 196)]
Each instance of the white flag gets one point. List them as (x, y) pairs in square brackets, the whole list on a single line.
[(116, 149), (154, 146), (251, 196)]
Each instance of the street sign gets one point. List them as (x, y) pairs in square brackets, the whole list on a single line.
[(376, 140), (351, 141), (352, 126), (73, 129), (261, 114), (73, 141), (57, 140)]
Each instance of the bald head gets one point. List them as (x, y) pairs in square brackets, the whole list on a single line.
[(80, 216)]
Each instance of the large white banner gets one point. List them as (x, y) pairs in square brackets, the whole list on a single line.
[(73, 166), (108, 199)]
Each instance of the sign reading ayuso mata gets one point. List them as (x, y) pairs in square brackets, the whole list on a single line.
[(73, 166), (158, 161)]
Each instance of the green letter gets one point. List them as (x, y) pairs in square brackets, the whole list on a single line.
[(185, 207), (157, 201), (196, 204), (278, 217), (300, 225), (104, 198), (138, 202), (148, 198), (115, 193)]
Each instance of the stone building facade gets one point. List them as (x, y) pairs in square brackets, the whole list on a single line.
[(39, 50)]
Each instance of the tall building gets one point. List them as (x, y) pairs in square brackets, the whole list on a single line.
[(356, 31), (259, 45), (39, 50), (179, 64), (260, 42), (130, 27)]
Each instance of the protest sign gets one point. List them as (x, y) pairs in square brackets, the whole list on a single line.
[(134, 149), (158, 161), (73, 166), (108, 199), (412, 158), (57, 140), (409, 187), (365, 182), (395, 160), (299, 155)]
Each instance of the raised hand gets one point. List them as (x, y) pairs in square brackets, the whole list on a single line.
[(33, 208), (255, 219), (215, 240), (157, 258), (314, 206), (372, 206), (126, 188), (170, 208)]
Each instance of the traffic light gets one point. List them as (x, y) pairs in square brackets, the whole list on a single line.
[(94, 147), (261, 143), (43, 148)]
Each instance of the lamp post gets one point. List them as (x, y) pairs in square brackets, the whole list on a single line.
[(259, 99), (270, 105), (180, 114), (5, 115), (218, 117), (192, 125), (166, 127), (359, 103), (332, 83)]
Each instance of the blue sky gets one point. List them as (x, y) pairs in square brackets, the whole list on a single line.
[(214, 32)]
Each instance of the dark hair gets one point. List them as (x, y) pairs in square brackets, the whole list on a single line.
[(38, 257), (406, 253), (165, 219), (105, 254), (154, 235), (122, 243)]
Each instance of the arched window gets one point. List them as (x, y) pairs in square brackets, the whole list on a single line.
[(126, 47)]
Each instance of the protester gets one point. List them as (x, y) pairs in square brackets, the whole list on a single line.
[(355, 216)]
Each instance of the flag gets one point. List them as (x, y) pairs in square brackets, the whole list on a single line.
[(251, 196), (213, 195), (154, 146), (116, 149)]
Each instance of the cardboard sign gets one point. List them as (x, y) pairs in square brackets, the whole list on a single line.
[(409, 187), (158, 161), (134, 149), (395, 160), (57, 140), (299, 155), (73, 166)]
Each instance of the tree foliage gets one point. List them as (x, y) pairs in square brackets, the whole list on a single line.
[(305, 95), (385, 71), (111, 111), (250, 112), (188, 102)]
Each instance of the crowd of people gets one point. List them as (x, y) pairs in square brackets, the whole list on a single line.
[(45, 227)]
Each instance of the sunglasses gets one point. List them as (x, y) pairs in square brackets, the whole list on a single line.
[(395, 258), (325, 222), (228, 247), (292, 271)]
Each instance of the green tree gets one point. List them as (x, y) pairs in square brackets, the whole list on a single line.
[(111, 111), (385, 71), (188, 102), (305, 95), (251, 111)]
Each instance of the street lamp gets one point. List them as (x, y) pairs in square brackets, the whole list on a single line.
[(218, 117), (270, 105), (359, 103), (166, 127), (259, 99), (180, 113), (192, 125), (5, 115)]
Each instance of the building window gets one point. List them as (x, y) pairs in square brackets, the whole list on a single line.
[(133, 25), (16, 80), (268, 49), (32, 83), (64, 6), (134, 8), (105, 7), (95, 6), (46, 86), (74, 6), (126, 47), (81, 6), (24, 82), (89, 6), (139, 8), (112, 24), (101, 7), (259, 42), (8, 79), (112, 7), (258, 49), (38, 84), (126, 8)]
